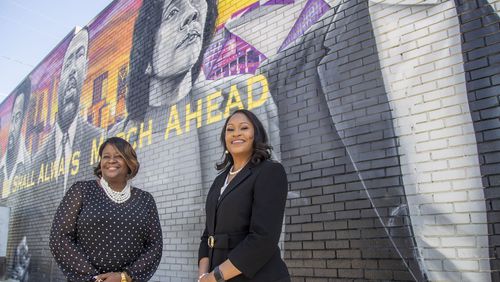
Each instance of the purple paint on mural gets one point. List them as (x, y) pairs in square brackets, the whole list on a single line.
[(278, 2), (231, 55), (108, 14), (42, 76), (213, 51), (100, 21), (312, 11)]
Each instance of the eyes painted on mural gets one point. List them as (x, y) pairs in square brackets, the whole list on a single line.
[(170, 12), (17, 117), (175, 7), (178, 41), (79, 54)]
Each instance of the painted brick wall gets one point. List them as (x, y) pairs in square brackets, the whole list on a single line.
[(384, 114)]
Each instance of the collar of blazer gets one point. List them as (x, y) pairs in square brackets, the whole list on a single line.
[(242, 175)]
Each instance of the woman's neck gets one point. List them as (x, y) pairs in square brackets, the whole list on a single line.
[(240, 161), (117, 186), (169, 90)]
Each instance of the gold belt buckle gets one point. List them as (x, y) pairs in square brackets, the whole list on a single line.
[(211, 241)]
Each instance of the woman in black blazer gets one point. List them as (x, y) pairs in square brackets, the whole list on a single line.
[(245, 208)]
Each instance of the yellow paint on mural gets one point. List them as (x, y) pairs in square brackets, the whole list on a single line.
[(207, 111), (228, 7)]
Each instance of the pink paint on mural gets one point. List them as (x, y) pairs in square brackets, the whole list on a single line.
[(313, 10)]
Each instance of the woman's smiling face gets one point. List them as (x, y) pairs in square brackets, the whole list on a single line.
[(113, 166), (179, 39), (239, 136)]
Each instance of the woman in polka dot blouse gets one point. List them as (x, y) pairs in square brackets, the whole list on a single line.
[(106, 230)]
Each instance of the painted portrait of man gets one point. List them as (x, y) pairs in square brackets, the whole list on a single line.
[(71, 132), (16, 160)]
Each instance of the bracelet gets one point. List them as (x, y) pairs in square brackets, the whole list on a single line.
[(124, 277), (128, 273), (218, 275), (202, 275)]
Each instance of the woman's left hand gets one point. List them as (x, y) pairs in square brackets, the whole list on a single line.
[(110, 277)]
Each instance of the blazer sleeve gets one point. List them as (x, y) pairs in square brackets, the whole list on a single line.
[(203, 249), (268, 209), (70, 258)]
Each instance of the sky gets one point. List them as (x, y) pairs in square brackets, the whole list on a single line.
[(30, 29)]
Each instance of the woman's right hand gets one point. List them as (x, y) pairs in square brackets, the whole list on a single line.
[(109, 277), (201, 276), (203, 268), (207, 277)]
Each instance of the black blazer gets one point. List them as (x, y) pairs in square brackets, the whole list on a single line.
[(246, 222)]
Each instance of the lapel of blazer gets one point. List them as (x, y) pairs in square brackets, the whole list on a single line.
[(242, 175), (212, 200)]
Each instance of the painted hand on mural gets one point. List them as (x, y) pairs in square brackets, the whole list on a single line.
[(21, 262)]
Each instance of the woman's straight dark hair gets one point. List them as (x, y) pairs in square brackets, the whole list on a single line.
[(261, 148)]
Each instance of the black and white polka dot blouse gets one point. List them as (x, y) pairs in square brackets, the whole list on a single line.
[(91, 234)]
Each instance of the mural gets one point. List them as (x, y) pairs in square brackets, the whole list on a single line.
[(384, 114)]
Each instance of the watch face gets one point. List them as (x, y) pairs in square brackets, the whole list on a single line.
[(218, 275)]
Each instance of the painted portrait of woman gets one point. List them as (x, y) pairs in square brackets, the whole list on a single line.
[(169, 41)]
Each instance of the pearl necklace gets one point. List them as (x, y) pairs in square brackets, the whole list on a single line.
[(236, 172), (117, 197)]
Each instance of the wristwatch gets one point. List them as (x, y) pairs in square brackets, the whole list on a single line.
[(218, 275)]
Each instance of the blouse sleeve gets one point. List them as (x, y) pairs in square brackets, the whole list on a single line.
[(147, 263), (268, 208), (70, 258)]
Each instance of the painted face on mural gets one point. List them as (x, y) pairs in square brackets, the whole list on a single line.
[(239, 135), (73, 74), (16, 121), (179, 39)]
